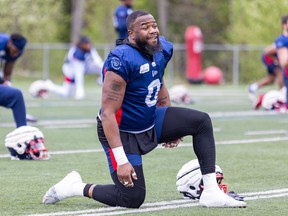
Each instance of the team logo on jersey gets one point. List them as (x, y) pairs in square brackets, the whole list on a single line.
[(154, 72), (144, 68), (116, 63)]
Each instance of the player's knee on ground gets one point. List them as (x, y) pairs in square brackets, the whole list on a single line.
[(135, 199)]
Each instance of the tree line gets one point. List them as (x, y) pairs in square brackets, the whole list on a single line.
[(221, 21)]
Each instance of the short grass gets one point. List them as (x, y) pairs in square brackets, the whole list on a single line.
[(247, 167)]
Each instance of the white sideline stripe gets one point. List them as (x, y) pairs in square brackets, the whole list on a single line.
[(152, 209), (76, 151), (228, 142), (284, 190), (268, 132), (68, 126), (110, 209), (242, 113), (93, 120), (56, 122), (164, 205), (246, 141), (64, 104), (65, 152)]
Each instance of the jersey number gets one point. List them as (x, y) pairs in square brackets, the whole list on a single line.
[(152, 96)]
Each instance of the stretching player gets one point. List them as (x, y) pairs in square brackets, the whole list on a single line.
[(119, 18), (281, 43), (81, 59), (136, 116), (270, 60), (11, 48)]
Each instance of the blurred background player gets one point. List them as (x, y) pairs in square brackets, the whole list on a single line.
[(81, 59), (281, 44), (270, 60), (119, 17), (11, 48)]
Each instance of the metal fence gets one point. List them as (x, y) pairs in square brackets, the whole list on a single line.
[(46, 59)]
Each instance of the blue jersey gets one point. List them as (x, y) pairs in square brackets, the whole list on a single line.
[(119, 18), (281, 41), (4, 54), (77, 54), (144, 79)]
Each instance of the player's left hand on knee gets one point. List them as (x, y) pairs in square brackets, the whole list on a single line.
[(172, 144), (126, 174)]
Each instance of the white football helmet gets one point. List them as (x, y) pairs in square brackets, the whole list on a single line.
[(179, 94), (39, 89), (26, 143), (189, 180), (274, 97)]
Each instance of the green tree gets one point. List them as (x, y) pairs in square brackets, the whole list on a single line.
[(211, 16), (38, 20), (257, 21)]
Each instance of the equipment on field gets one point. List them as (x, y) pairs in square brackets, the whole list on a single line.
[(274, 98), (213, 75), (26, 143), (194, 49), (179, 94), (39, 89), (189, 180)]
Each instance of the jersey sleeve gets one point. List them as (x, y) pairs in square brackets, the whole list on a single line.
[(281, 42), (116, 63), (167, 49)]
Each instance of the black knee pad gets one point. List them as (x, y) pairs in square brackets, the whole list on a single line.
[(135, 199)]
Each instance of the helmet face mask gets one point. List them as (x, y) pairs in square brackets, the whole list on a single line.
[(26, 143), (37, 150)]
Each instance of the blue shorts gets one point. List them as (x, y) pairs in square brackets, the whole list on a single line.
[(135, 145), (270, 65)]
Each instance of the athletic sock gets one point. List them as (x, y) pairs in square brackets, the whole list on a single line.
[(209, 181), (86, 190)]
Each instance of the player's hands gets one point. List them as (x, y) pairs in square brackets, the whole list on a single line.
[(126, 174), (172, 144)]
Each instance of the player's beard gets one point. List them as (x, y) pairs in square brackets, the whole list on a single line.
[(147, 48)]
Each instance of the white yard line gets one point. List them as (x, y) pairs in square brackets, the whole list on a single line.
[(164, 205), (64, 104), (51, 123), (266, 132), (181, 145), (69, 126), (93, 120), (243, 113)]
